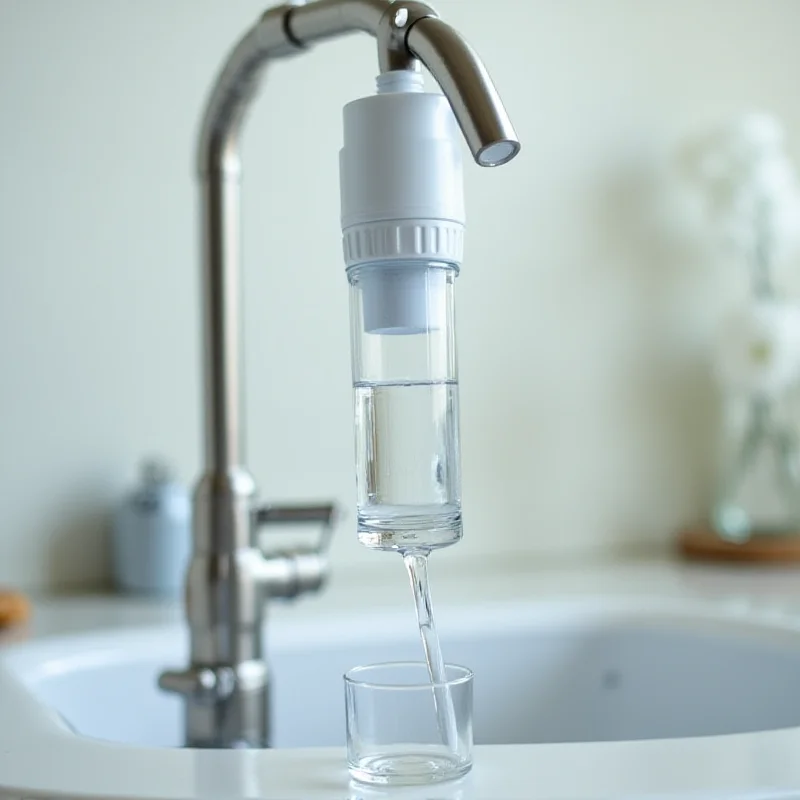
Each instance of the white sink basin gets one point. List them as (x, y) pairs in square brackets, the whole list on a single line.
[(565, 672)]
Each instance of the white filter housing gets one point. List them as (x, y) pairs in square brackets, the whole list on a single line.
[(402, 198)]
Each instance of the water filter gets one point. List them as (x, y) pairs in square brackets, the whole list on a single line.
[(403, 238)]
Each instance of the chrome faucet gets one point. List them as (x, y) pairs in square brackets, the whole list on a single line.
[(229, 579)]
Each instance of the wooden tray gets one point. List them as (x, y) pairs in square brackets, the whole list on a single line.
[(700, 543)]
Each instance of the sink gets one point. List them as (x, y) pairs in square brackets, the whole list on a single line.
[(546, 672)]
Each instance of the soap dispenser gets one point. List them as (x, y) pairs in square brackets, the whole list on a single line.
[(151, 538)]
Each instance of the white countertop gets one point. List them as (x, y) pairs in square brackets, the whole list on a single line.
[(746, 765)]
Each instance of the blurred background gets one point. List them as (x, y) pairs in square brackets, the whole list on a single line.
[(588, 417)]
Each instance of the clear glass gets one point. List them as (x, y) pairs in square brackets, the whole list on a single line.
[(759, 491), (393, 733), (405, 381)]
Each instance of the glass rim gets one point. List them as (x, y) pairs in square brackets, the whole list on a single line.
[(350, 677), (402, 264)]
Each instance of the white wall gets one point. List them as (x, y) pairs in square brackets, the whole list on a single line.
[(585, 426)]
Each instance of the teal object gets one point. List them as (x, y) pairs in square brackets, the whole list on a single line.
[(151, 539)]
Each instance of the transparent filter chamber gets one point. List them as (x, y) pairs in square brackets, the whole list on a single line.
[(405, 384)]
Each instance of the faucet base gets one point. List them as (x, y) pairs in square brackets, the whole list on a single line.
[(226, 707), (240, 720), (226, 686)]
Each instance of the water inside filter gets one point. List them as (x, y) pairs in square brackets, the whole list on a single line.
[(417, 566), (408, 462)]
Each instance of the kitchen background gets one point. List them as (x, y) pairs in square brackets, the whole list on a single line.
[(587, 413)]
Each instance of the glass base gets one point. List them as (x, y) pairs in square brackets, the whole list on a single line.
[(385, 528), (732, 524), (409, 769), (406, 541)]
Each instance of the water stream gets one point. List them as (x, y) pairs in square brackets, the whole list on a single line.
[(416, 562)]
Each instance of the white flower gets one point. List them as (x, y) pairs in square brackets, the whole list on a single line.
[(735, 153), (759, 348), (749, 186)]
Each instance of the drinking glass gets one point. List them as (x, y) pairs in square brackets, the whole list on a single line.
[(394, 721)]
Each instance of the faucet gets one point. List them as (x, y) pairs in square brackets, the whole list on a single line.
[(229, 579)]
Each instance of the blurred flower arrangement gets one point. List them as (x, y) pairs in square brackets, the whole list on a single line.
[(749, 197)]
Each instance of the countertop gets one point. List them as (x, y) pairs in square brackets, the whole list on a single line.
[(763, 765), (452, 583)]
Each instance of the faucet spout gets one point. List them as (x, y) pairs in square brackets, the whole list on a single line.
[(469, 88)]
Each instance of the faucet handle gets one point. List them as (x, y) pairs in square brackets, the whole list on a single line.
[(287, 574), (323, 514)]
